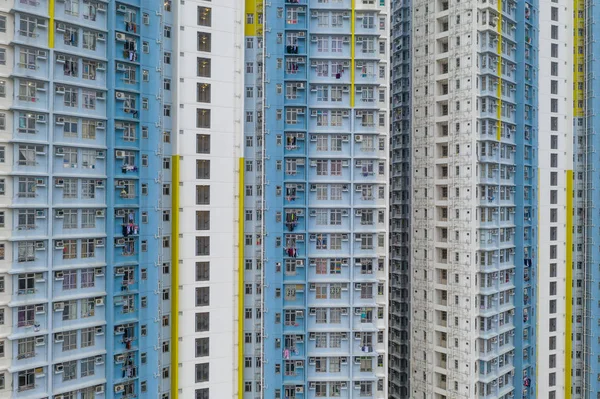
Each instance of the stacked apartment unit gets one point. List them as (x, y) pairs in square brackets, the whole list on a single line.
[(84, 125), (316, 195)]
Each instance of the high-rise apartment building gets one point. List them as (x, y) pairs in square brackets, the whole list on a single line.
[(85, 232), (316, 199), (490, 160)]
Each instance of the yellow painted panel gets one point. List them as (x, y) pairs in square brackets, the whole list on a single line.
[(254, 7), (51, 24)]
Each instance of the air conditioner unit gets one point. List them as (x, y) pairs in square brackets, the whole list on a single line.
[(312, 286), (100, 389), (121, 8), (119, 242), (40, 309), (300, 313), (41, 54), (59, 151), (119, 271), (357, 286), (120, 183), (100, 183), (59, 120), (312, 385), (357, 311), (59, 306), (59, 213), (99, 330), (299, 389), (41, 118), (99, 360), (99, 272), (120, 67), (99, 301), (39, 277), (100, 213), (60, 27), (100, 242), (100, 124), (61, 58), (119, 95), (358, 138), (119, 388), (58, 337), (312, 311), (344, 311), (120, 213), (59, 244), (39, 341), (312, 360), (120, 36), (119, 154), (101, 36), (40, 214), (299, 364), (119, 358)]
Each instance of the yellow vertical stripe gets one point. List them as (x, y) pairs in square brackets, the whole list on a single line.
[(241, 280), (499, 69), (578, 57), (569, 285), (175, 277), (51, 24), (252, 27), (352, 51)]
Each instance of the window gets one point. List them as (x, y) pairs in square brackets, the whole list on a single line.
[(203, 92), (25, 315), (71, 36), (202, 220), (70, 97), (26, 251), (202, 372), (202, 144), (27, 26), (26, 348), (204, 16), (202, 195), (202, 393), (69, 249), (69, 280), (26, 380), (70, 310), (202, 169), (202, 322), (203, 118), (89, 40), (203, 67), (202, 246), (87, 248), (204, 42), (69, 370), (69, 340), (88, 278), (202, 347), (202, 296)]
